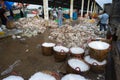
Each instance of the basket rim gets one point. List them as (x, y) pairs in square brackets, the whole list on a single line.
[(108, 45)]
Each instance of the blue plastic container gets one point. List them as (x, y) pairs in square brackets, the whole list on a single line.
[(75, 16), (67, 16)]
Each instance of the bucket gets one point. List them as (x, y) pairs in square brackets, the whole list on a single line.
[(77, 52), (98, 50), (96, 66), (47, 48), (60, 53), (77, 66)]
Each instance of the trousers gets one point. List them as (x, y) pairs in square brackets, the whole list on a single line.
[(59, 22), (103, 27)]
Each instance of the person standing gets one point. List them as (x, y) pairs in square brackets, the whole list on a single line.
[(103, 21), (3, 16), (40, 11), (54, 14), (60, 15)]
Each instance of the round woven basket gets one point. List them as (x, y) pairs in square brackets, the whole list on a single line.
[(73, 77), (78, 54), (52, 73), (95, 66), (47, 50), (60, 56), (98, 54), (77, 70), (45, 75), (60, 53)]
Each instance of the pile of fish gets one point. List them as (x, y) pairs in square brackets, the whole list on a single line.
[(76, 36), (33, 26)]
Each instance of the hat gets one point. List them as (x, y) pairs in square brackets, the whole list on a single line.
[(59, 8)]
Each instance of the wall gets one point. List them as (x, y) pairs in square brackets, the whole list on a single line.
[(115, 15), (108, 8), (114, 11)]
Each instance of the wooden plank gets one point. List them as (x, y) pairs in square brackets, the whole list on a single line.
[(118, 48), (116, 58), (118, 45)]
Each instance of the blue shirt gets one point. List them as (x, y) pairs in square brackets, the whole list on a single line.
[(104, 18), (8, 5)]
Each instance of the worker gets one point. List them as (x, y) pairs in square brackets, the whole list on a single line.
[(104, 17), (2, 27), (3, 16), (75, 15), (54, 14), (60, 16), (40, 11), (2, 5)]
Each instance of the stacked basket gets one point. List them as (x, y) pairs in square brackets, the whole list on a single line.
[(59, 52), (98, 51), (77, 66), (76, 63)]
